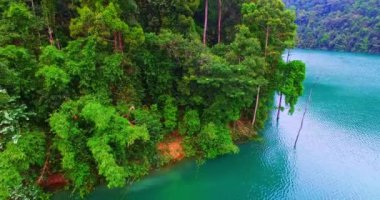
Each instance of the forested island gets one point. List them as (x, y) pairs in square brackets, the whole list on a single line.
[(102, 92), (344, 25)]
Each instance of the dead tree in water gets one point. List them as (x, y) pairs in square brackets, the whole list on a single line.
[(303, 118), (280, 101)]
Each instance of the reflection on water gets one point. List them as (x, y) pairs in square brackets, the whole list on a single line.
[(337, 157)]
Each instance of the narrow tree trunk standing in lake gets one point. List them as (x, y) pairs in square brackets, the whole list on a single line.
[(280, 101), (219, 20), (303, 118), (279, 107), (256, 107), (205, 23)]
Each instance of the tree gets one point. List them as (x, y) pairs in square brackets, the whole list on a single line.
[(205, 23), (272, 24), (293, 75), (104, 24), (18, 27), (110, 135), (219, 20), (126, 77)]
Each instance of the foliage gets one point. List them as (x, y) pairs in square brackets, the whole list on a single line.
[(191, 123), (292, 86), (213, 140), (111, 81), (19, 26), (17, 158), (89, 126), (338, 25), (12, 117)]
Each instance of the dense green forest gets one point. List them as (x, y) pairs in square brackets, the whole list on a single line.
[(346, 25), (90, 88)]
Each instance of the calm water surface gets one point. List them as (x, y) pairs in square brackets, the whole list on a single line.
[(338, 154)]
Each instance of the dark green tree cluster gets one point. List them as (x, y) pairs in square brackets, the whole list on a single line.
[(338, 25), (89, 89)]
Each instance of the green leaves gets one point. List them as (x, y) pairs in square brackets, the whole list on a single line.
[(191, 123), (271, 23), (169, 113), (18, 26), (293, 75), (329, 25), (97, 127), (104, 23), (107, 166), (112, 92), (54, 77), (214, 140), (16, 159), (13, 117)]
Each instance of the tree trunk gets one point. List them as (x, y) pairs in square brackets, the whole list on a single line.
[(256, 106), (58, 44), (205, 23), (121, 42), (51, 37), (279, 107), (266, 43), (34, 12), (219, 20), (115, 41), (303, 118), (279, 103)]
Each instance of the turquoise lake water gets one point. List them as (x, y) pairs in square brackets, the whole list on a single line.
[(338, 153)]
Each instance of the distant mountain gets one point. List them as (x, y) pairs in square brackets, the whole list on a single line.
[(349, 25)]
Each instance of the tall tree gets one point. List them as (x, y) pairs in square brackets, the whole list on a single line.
[(273, 24), (280, 100), (205, 23), (219, 20)]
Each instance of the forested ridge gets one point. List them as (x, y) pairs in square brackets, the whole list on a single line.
[(345, 25), (90, 90)]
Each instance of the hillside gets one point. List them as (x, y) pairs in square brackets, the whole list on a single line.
[(348, 25), (102, 92)]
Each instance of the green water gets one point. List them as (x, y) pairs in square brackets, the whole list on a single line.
[(338, 154)]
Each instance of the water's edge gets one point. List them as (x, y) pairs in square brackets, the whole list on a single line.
[(337, 157)]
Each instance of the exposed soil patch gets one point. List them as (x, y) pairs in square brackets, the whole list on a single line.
[(172, 147)]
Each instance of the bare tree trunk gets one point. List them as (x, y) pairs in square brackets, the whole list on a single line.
[(58, 44), (219, 20), (34, 12), (266, 42), (51, 37), (303, 118), (288, 56), (279, 103), (279, 107), (205, 23), (115, 41), (256, 106), (121, 42)]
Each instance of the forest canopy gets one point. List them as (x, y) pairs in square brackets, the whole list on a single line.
[(91, 90), (345, 25)]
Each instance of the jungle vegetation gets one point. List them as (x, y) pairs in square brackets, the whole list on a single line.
[(344, 25), (89, 88)]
